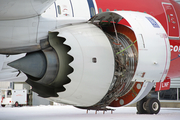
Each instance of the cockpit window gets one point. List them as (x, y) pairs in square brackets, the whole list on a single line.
[(107, 10), (100, 10)]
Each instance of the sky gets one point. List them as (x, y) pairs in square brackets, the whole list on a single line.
[(72, 113)]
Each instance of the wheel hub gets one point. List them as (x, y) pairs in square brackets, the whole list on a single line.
[(155, 106)]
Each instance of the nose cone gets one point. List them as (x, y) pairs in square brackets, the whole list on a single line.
[(33, 64)]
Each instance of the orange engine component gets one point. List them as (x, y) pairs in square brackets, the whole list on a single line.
[(127, 98)]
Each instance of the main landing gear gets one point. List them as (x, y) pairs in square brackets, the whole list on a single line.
[(148, 105)]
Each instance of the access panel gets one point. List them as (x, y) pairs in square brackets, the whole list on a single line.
[(172, 20)]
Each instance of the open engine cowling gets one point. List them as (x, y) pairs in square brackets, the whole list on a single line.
[(102, 60)]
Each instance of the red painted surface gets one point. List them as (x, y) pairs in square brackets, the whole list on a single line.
[(165, 85), (127, 98), (167, 12)]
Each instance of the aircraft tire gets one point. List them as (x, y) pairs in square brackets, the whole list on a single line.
[(141, 106), (153, 106)]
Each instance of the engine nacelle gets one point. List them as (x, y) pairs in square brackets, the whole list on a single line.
[(138, 53), (103, 60), (152, 43)]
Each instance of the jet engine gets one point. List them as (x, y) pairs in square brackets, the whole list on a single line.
[(113, 59)]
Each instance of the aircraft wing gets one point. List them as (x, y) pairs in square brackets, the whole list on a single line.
[(18, 9)]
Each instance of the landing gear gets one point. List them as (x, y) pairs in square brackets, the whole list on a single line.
[(153, 106), (141, 106), (148, 106)]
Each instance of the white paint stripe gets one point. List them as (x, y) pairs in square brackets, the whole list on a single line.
[(95, 5)]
